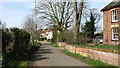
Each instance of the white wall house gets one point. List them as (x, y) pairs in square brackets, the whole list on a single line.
[(49, 35)]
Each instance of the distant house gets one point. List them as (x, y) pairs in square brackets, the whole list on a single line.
[(46, 34), (43, 34), (111, 18), (49, 34)]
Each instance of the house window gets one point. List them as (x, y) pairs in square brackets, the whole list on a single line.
[(114, 33), (115, 15)]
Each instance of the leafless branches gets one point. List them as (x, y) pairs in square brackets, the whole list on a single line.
[(56, 13)]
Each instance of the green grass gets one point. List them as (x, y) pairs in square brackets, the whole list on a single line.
[(18, 64), (23, 63), (56, 45), (113, 47), (89, 60), (37, 43)]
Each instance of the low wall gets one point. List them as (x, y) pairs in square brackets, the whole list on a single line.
[(106, 57)]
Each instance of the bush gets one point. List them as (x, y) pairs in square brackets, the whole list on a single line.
[(55, 35), (68, 38), (42, 39), (49, 40), (62, 36), (21, 39), (6, 39)]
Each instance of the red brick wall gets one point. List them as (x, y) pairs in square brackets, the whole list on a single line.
[(107, 19), (107, 22), (106, 57)]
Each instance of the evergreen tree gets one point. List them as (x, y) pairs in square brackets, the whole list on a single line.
[(89, 27)]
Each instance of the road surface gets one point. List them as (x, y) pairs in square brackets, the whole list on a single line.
[(48, 55)]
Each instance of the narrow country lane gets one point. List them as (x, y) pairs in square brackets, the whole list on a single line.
[(48, 55)]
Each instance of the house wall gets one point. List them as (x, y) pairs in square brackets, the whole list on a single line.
[(107, 19), (107, 26), (49, 35)]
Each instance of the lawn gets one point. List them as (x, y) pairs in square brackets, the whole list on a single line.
[(89, 60), (104, 48), (113, 47)]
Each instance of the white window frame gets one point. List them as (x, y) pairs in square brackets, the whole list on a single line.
[(113, 34), (114, 14)]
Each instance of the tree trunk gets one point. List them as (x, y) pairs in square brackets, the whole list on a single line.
[(79, 17), (74, 20)]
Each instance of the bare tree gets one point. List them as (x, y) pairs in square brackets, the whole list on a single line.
[(56, 13), (2, 25), (31, 26), (95, 13)]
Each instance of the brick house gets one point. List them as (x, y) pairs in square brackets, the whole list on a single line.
[(111, 20)]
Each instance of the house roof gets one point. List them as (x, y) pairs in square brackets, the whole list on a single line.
[(44, 31), (113, 4)]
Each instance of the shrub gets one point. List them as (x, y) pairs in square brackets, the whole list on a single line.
[(21, 39), (81, 39), (55, 35), (42, 39), (62, 36), (6, 39)]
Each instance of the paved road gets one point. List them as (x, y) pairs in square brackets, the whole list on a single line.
[(51, 56)]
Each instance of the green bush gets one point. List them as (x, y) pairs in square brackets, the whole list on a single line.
[(55, 35), (62, 36), (6, 39), (42, 39), (21, 39)]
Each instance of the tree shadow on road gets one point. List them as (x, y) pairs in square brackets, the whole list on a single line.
[(33, 55)]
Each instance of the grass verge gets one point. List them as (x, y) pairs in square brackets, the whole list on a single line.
[(113, 47), (19, 64), (104, 48), (88, 60), (56, 45)]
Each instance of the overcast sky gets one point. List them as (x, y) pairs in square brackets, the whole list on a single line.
[(13, 13)]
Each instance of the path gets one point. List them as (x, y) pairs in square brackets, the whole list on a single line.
[(48, 55)]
